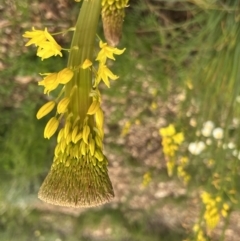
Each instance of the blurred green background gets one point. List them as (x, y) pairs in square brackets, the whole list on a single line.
[(169, 74)]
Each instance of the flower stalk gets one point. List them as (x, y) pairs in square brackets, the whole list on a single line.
[(79, 174)]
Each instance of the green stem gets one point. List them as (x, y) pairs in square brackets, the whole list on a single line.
[(81, 49)]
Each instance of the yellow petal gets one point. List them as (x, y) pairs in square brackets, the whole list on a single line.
[(36, 37), (49, 37), (178, 138), (167, 131)]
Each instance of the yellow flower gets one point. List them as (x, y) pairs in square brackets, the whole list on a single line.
[(211, 214), (167, 131), (226, 206), (183, 175), (166, 141), (50, 82), (154, 105), (45, 109), (184, 160), (200, 236), (146, 179), (126, 128), (103, 74), (205, 197), (178, 138), (225, 210), (48, 49), (47, 46), (170, 167), (36, 36), (224, 213), (107, 52)]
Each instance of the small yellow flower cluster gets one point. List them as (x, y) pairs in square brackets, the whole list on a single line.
[(146, 179), (199, 233), (47, 46), (126, 128), (50, 83), (171, 142), (213, 208), (182, 174)]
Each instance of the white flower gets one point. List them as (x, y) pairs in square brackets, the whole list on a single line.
[(238, 98), (235, 152), (231, 145), (235, 121), (196, 147), (208, 141), (207, 128), (218, 133)]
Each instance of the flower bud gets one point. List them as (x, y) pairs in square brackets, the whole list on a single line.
[(62, 105), (45, 109), (51, 127), (112, 17)]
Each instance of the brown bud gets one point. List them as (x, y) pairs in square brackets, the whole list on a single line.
[(112, 16)]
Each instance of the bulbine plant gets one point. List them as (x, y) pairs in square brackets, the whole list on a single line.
[(79, 174)]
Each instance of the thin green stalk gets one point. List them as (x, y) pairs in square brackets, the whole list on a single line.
[(81, 49)]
